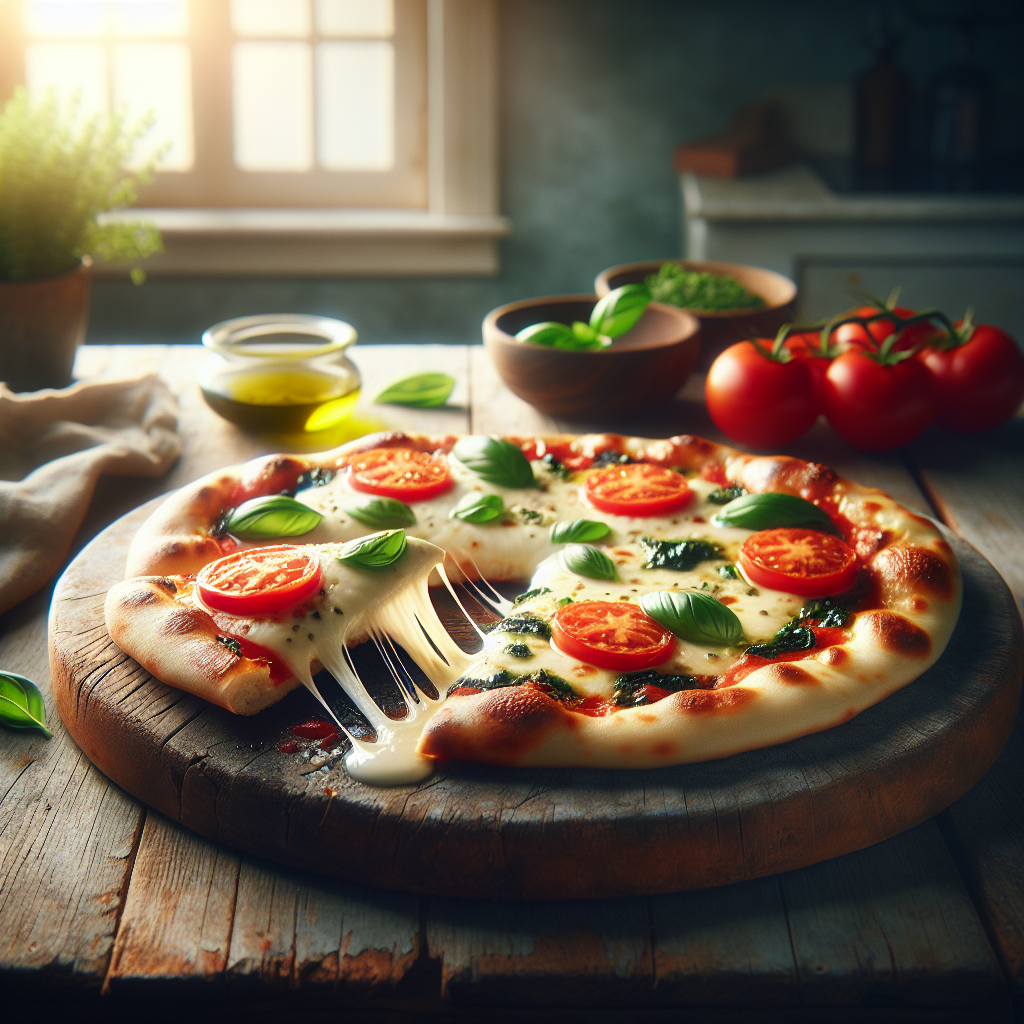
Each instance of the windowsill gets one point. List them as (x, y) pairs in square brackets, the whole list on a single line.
[(320, 243)]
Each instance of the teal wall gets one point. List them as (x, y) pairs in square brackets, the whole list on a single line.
[(594, 95)]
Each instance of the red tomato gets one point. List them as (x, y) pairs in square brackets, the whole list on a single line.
[(399, 473), (611, 634), (260, 581), (877, 407), (758, 401), (797, 561), (870, 337), (638, 489), (979, 384), (808, 347)]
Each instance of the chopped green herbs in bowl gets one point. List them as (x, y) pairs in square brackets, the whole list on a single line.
[(699, 290)]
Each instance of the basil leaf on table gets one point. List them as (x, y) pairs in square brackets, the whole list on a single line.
[(477, 507), (273, 515), (770, 511), (620, 309), (21, 703), (694, 616), (377, 551), (580, 531), (383, 513), (422, 391), (584, 560), (495, 460)]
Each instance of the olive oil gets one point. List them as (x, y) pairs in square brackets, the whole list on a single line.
[(283, 399)]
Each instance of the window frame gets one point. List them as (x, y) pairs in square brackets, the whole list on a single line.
[(454, 230)]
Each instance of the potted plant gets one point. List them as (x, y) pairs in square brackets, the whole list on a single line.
[(57, 175)]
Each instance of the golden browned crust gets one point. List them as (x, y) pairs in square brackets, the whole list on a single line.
[(182, 646)]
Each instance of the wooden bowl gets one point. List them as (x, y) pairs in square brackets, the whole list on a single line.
[(643, 367), (719, 330)]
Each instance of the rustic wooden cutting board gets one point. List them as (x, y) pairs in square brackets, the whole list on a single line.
[(537, 833)]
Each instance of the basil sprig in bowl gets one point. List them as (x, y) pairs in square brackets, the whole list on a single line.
[(637, 369)]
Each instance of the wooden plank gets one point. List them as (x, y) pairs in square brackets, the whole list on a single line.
[(67, 838), (724, 946), (594, 953), (890, 925), (985, 829), (977, 486)]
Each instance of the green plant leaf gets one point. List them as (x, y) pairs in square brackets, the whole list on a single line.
[(770, 511), (788, 639), (477, 507), (586, 560), (547, 333), (581, 531), (273, 515), (694, 616), (423, 391), (619, 310), (21, 703), (377, 551), (383, 513), (495, 460)]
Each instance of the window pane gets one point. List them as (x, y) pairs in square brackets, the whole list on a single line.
[(355, 17), (149, 17), (156, 77), (270, 17), (64, 17), (355, 105), (273, 106), (68, 67)]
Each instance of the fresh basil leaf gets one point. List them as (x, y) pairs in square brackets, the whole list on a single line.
[(694, 616), (681, 555), (822, 611), (377, 551), (620, 309), (770, 511), (495, 460), (476, 507), (549, 334), (422, 391), (585, 560), (517, 649), (383, 513), (788, 639), (584, 332), (579, 530), (273, 515), (21, 703)]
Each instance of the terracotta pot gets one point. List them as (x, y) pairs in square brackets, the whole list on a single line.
[(643, 367), (42, 323), (721, 329)]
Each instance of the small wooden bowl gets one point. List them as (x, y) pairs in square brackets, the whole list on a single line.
[(643, 367), (719, 330)]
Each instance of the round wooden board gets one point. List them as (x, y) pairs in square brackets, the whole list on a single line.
[(538, 833)]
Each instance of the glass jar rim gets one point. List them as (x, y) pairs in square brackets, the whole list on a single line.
[(242, 336)]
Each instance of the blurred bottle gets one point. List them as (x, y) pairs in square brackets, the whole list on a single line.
[(882, 114), (961, 104)]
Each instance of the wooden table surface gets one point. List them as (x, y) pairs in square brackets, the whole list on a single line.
[(108, 910)]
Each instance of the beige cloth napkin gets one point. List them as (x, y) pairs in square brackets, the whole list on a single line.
[(54, 446)]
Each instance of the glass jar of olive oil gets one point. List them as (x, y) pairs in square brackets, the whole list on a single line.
[(280, 373)]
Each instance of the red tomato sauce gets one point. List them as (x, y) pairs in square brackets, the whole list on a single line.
[(279, 671), (315, 729), (824, 636)]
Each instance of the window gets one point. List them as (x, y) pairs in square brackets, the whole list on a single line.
[(358, 135)]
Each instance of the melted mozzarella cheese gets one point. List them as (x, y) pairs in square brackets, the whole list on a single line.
[(381, 603)]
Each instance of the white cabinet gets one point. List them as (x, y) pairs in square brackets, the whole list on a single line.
[(949, 251)]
